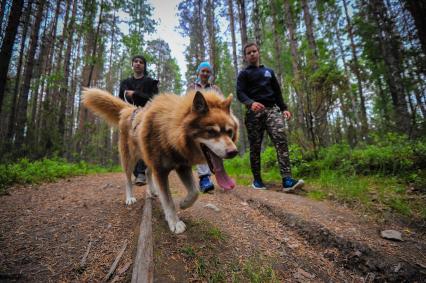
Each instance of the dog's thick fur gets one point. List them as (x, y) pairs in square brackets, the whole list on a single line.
[(171, 133)]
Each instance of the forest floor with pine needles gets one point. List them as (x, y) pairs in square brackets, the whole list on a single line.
[(238, 236)]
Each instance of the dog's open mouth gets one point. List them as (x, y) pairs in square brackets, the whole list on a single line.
[(216, 167)]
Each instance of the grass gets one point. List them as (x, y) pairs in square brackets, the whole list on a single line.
[(317, 195), (376, 193), (45, 170), (372, 193), (343, 187), (215, 234), (239, 168), (188, 251), (256, 273)]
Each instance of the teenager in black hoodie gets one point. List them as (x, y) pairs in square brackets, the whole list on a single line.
[(138, 90), (259, 91)]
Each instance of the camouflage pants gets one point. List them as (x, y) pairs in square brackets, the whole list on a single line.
[(270, 119)]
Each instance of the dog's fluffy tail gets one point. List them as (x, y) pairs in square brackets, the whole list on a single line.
[(104, 104)]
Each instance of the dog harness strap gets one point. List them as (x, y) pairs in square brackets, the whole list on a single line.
[(134, 115)]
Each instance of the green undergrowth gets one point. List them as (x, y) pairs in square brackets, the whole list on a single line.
[(45, 170), (385, 177)]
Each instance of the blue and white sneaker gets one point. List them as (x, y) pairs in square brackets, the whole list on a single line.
[(206, 184), (258, 185), (290, 184)]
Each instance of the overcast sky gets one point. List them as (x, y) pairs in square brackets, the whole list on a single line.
[(165, 12)]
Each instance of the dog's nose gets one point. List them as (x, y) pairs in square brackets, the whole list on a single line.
[(231, 153)]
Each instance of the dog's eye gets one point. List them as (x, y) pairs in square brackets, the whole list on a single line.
[(230, 133)]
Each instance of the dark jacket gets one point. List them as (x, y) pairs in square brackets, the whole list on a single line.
[(145, 88), (259, 84)]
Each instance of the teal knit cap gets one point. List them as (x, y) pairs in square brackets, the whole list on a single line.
[(203, 65)]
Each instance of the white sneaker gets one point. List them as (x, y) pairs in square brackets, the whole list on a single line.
[(140, 180)]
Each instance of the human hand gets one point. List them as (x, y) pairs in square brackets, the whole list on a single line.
[(129, 93), (256, 106), (287, 115)]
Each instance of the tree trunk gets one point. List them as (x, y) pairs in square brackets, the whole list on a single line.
[(109, 81), (356, 70), (243, 23), (45, 137), (84, 115), (71, 114), (417, 10), (23, 99), (240, 112), (2, 12), (420, 97), (63, 91), (304, 108), (60, 56), (88, 42), (38, 84), (211, 35), (199, 31), (234, 41), (413, 117), (257, 22), (386, 120), (7, 45), (95, 45), (391, 50), (310, 34), (319, 99), (11, 125), (277, 40), (349, 110)]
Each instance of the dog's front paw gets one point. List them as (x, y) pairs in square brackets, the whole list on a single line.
[(130, 200), (178, 227)]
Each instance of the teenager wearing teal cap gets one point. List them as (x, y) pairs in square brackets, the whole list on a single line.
[(203, 81)]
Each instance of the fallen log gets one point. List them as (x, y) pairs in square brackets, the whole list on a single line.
[(143, 268)]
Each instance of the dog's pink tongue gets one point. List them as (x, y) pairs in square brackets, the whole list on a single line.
[(221, 177)]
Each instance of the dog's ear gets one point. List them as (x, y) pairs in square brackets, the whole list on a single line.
[(226, 104), (199, 104)]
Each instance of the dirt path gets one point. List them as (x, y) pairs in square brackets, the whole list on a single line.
[(241, 236)]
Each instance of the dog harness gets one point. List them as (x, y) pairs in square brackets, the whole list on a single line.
[(132, 118)]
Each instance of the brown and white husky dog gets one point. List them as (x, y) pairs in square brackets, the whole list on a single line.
[(171, 133)]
